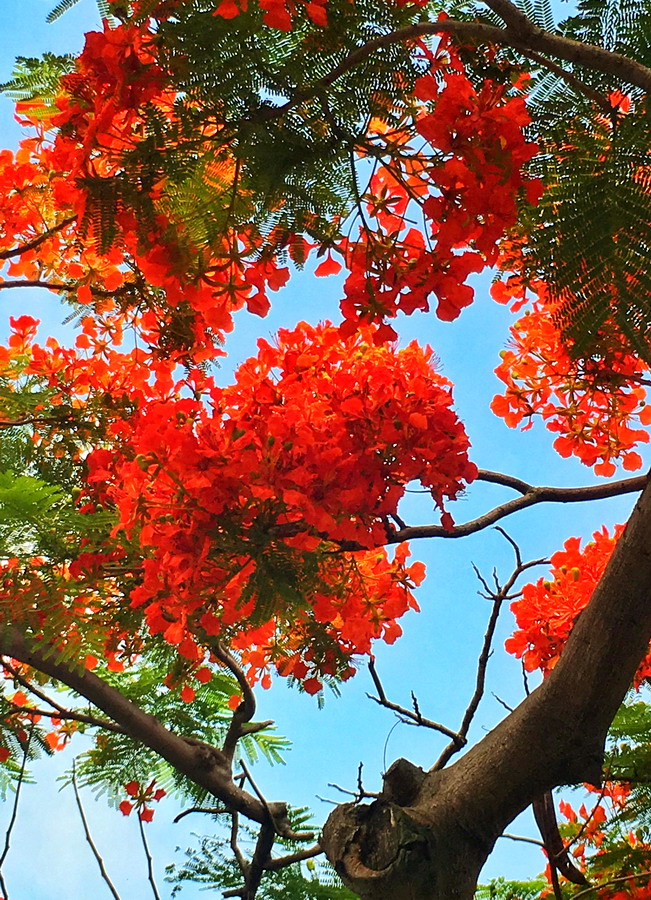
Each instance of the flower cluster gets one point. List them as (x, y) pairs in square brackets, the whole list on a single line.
[(547, 610), (258, 518), (595, 406), (142, 796)]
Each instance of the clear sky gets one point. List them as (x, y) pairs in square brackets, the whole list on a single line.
[(436, 658)]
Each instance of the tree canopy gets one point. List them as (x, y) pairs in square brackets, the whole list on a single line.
[(170, 544)]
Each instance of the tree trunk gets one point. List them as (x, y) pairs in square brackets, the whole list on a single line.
[(429, 834)]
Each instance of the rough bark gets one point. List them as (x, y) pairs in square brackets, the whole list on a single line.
[(428, 835)]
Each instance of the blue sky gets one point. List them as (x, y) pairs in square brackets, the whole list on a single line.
[(436, 658)]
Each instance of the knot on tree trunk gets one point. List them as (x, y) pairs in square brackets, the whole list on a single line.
[(373, 847)]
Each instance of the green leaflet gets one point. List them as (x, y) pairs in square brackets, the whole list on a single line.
[(211, 864)]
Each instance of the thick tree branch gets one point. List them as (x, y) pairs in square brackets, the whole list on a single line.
[(448, 820), (205, 765), (522, 35)]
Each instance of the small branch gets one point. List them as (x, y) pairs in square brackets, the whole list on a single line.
[(577, 837), (57, 711), (150, 862), (237, 853), (14, 812), (518, 837), (530, 497), (503, 703), (89, 839), (603, 884), (360, 794), (510, 481), (280, 862), (36, 282), (214, 811), (407, 715), (245, 711), (36, 242), (578, 86), (522, 35), (68, 716), (497, 597), (545, 816)]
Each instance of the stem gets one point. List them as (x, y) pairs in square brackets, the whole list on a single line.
[(14, 812), (150, 863), (91, 843)]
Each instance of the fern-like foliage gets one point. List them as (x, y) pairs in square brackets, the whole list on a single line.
[(63, 6), (502, 889), (117, 759), (38, 78), (211, 865), (589, 237)]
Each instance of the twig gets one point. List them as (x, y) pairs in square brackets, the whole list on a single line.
[(502, 702), (256, 789), (359, 794), (91, 843), (150, 862), (407, 715), (215, 811), (14, 812), (36, 242), (501, 593), (519, 837), (603, 884), (58, 711), (577, 837), (280, 862)]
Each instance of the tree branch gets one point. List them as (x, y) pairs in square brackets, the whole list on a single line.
[(89, 839), (150, 862), (205, 765), (521, 35), (497, 597), (261, 854), (450, 818), (246, 709), (37, 241), (413, 717), (281, 862), (530, 497), (14, 812), (57, 711), (36, 282)]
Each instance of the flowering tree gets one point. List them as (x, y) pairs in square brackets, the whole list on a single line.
[(160, 530)]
